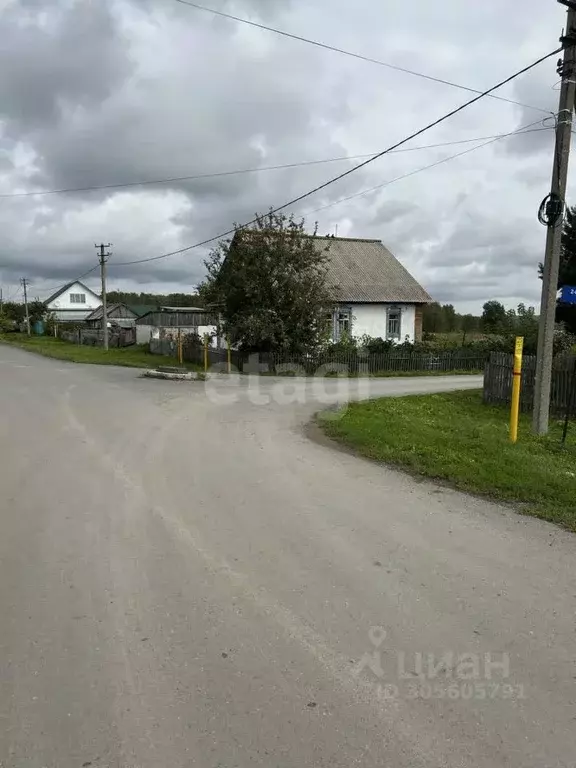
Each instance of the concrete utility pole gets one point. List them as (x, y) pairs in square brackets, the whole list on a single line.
[(552, 214), (104, 256), (24, 282)]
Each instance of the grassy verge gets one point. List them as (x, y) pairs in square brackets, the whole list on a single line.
[(380, 374), (457, 439), (130, 357), (395, 374)]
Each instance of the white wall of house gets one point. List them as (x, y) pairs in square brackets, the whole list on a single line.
[(371, 320), (144, 333), (212, 331), (75, 303)]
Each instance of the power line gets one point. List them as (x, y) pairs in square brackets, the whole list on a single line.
[(494, 139), (320, 187), (368, 59), (12, 294), (76, 279), (218, 174)]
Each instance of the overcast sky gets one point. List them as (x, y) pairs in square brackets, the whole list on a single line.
[(96, 92)]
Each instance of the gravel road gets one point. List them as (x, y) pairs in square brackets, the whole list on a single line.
[(186, 579)]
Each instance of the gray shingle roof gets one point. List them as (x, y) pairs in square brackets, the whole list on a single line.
[(366, 271)]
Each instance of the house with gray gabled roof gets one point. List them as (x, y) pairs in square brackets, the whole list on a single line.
[(374, 293)]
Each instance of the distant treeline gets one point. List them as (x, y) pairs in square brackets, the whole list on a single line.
[(154, 299), (443, 318), (495, 319)]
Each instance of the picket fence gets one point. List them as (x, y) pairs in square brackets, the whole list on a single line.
[(349, 363), (498, 381)]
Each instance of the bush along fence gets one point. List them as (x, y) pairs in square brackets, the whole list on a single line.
[(498, 381), (354, 362), (117, 337)]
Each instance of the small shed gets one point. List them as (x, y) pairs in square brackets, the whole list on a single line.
[(118, 314), (168, 322)]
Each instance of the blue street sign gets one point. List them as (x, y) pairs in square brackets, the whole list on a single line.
[(568, 295)]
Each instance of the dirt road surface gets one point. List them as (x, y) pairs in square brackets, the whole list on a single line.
[(186, 579)]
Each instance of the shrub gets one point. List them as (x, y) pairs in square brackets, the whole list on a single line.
[(6, 325), (376, 346)]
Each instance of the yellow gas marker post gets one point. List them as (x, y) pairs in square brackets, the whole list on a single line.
[(516, 386)]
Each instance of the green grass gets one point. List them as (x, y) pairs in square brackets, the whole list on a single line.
[(382, 374), (395, 374), (457, 439), (130, 357)]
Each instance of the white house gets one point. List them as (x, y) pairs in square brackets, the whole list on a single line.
[(72, 303), (376, 296)]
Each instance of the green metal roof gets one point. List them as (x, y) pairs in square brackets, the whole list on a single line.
[(142, 309)]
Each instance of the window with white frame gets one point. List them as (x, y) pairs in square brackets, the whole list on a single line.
[(77, 298), (394, 323)]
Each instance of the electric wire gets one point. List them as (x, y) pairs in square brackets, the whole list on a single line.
[(520, 132), (217, 174), (360, 56), (75, 280), (355, 168)]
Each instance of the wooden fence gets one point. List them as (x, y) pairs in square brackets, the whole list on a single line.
[(498, 381), (121, 337), (347, 363)]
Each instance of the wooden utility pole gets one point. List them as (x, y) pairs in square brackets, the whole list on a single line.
[(24, 282), (552, 215), (104, 256)]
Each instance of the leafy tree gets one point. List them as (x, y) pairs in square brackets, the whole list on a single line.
[(468, 324), (269, 285), (154, 299), (13, 311), (494, 317), (433, 318), (36, 311), (450, 318), (527, 325), (444, 319), (567, 274), (6, 325)]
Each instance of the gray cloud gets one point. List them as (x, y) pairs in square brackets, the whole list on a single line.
[(121, 91), (73, 60)]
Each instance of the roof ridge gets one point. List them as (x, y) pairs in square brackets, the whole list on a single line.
[(327, 237), (64, 288), (347, 239)]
